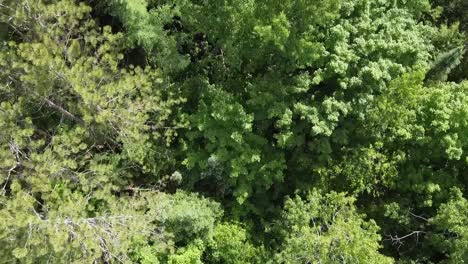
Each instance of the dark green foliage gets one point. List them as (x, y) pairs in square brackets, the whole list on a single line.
[(455, 14), (445, 63)]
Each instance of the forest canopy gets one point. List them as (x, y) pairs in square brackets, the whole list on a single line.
[(233, 131)]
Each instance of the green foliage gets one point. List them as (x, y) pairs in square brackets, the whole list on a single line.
[(145, 28), (327, 229), (186, 222), (70, 227), (451, 222), (294, 79), (78, 78), (445, 63), (455, 11), (424, 129), (188, 219), (231, 244), (321, 131), (455, 14), (76, 127)]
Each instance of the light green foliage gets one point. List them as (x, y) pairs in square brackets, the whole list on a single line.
[(232, 143), (296, 76), (451, 222), (327, 229), (232, 245), (75, 128), (73, 227), (185, 221), (190, 255), (423, 129), (361, 170), (431, 124), (78, 78), (415, 128), (188, 219), (62, 229)]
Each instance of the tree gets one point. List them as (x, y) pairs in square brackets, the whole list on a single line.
[(450, 222), (293, 80), (420, 130), (198, 131), (327, 229), (231, 244), (148, 26), (76, 127)]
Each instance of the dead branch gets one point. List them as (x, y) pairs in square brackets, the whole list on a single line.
[(63, 111), (396, 240)]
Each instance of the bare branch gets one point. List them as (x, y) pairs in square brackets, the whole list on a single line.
[(418, 216), (396, 240), (63, 111)]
